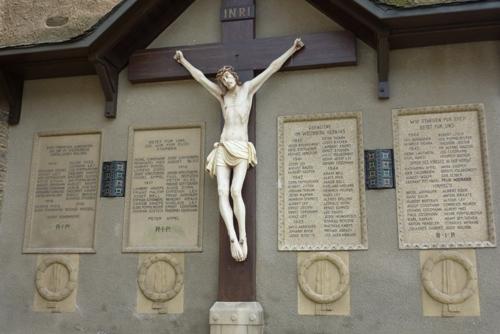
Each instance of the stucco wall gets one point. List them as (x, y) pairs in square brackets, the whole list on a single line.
[(385, 292)]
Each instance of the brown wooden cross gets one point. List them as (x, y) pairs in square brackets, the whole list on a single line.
[(247, 55)]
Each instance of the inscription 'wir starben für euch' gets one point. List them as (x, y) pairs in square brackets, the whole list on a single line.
[(442, 178)]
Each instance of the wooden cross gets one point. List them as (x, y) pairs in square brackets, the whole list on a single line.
[(247, 55)]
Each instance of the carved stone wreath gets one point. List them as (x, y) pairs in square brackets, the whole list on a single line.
[(457, 298), (324, 298), (56, 296), (160, 297)]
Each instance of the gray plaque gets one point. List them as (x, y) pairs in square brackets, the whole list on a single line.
[(442, 177), (321, 182), (164, 195), (63, 193)]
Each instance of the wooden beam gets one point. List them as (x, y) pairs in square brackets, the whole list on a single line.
[(444, 34), (108, 76), (366, 26), (12, 87), (54, 68), (383, 65), (237, 280), (322, 50), (431, 18)]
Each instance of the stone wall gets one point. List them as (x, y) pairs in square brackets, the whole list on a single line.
[(24, 22)]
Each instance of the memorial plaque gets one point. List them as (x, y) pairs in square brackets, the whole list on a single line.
[(164, 199), (63, 193), (442, 178), (321, 182)]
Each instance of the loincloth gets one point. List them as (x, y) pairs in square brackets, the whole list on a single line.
[(230, 153)]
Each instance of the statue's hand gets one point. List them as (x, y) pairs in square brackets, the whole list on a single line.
[(298, 44), (178, 56)]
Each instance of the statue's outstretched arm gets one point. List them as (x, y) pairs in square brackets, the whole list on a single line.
[(274, 67), (199, 76)]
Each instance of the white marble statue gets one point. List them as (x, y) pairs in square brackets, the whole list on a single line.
[(234, 153)]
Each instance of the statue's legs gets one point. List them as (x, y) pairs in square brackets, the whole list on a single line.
[(239, 173), (223, 180)]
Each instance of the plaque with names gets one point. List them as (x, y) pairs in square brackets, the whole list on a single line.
[(164, 196), (63, 192), (321, 182), (442, 178)]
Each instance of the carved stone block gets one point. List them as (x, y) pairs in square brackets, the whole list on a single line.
[(236, 318), (56, 282), (323, 283), (449, 283), (160, 280)]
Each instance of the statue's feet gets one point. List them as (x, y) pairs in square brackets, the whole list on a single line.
[(236, 251), (244, 246)]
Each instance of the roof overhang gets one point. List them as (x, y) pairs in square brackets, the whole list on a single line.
[(105, 51), (135, 23), (387, 28)]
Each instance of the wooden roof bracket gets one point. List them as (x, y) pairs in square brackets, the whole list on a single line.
[(367, 27), (383, 64), (108, 76), (12, 86)]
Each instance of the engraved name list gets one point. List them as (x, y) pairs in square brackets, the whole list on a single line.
[(321, 184), (63, 193), (164, 201), (442, 179)]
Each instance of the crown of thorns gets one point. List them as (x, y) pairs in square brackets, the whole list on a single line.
[(229, 69)]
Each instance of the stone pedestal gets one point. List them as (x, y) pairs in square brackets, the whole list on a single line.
[(236, 318)]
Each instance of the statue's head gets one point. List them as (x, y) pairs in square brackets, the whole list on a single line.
[(227, 78)]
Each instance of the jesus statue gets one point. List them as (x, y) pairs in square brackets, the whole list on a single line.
[(234, 153)]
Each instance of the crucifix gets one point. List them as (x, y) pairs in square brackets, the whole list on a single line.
[(234, 154), (248, 56)]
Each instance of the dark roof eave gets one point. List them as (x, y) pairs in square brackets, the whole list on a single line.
[(394, 13), (370, 22), (388, 18)]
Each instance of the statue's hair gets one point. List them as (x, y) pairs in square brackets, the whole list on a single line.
[(223, 70)]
